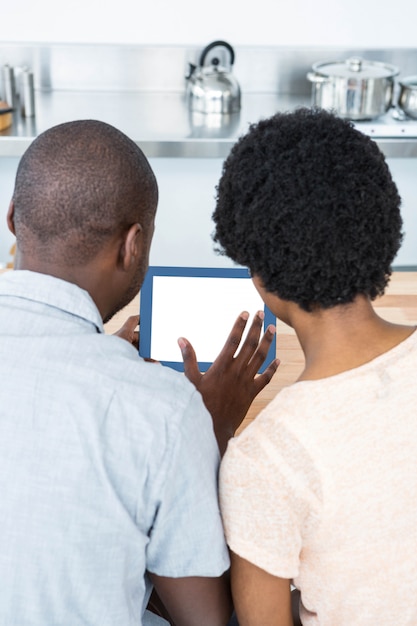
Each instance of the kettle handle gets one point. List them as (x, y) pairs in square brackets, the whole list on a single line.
[(214, 44)]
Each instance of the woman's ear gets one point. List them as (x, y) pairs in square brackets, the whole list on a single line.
[(132, 246), (10, 218)]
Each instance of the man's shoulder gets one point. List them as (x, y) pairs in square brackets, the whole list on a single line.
[(119, 366)]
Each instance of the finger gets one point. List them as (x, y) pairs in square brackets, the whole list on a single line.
[(259, 356), (233, 341), (131, 323), (129, 326), (190, 361), (251, 343), (135, 339), (127, 331), (263, 379)]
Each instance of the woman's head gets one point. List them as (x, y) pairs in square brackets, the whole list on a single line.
[(308, 204)]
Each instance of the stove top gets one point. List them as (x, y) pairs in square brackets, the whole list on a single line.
[(393, 124)]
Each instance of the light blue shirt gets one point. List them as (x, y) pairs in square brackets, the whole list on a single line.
[(108, 465)]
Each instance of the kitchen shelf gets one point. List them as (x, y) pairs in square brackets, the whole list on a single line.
[(161, 124)]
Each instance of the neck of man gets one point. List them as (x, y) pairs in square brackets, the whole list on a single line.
[(96, 276)]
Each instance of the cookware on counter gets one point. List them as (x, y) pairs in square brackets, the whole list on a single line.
[(407, 97), (212, 87), (355, 89)]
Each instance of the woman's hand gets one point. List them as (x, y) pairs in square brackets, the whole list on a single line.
[(231, 383)]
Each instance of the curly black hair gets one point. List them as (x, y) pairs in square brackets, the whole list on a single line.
[(308, 204)]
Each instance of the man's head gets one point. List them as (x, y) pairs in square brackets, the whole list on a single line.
[(79, 186), (308, 204)]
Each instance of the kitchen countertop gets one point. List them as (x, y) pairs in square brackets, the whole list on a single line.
[(162, 125)]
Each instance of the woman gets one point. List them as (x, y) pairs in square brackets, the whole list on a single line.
[(320, 491)]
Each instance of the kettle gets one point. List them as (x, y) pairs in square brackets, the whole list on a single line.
[(212, 87)]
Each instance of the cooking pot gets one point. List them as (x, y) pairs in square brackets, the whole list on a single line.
[(407, 97), (355, 89), (212, 87)]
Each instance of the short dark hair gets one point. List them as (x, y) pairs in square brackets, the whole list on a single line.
[(308, 204), (79, 183)]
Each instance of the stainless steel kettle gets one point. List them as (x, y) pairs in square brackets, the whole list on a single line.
[(212, 87)]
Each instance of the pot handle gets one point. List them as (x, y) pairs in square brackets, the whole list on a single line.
[(214, 44), (317, 78)]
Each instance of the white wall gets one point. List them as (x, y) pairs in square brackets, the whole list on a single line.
[(187, 200), (359, 23)]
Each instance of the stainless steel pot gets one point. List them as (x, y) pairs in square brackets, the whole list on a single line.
[(407, 97), (355, 89)]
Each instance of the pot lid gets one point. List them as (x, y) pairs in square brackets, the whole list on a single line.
[(355, 67), (410, 81)]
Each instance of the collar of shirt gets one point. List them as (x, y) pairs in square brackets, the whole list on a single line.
[(53, 292)]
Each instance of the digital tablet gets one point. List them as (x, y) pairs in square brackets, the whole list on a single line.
[(200, 304)]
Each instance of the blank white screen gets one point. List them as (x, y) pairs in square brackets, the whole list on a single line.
[(202, 309)]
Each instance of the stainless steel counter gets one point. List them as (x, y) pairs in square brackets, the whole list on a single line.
[(162, 125)]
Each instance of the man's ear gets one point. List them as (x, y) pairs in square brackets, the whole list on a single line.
[(10, 218), (131, 248)]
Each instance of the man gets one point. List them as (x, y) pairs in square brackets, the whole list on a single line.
[(108, 464), (320, 490)]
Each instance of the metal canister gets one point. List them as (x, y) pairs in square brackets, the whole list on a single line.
[(9, 85), (27, 93)]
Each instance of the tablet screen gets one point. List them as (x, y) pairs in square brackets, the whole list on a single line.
[(200, 304)]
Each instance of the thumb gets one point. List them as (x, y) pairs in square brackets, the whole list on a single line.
[(127, 331)]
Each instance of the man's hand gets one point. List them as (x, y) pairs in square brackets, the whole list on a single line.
[(231, 383), (129, 331)]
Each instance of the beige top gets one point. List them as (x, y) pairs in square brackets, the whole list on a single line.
[(322, 488)]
